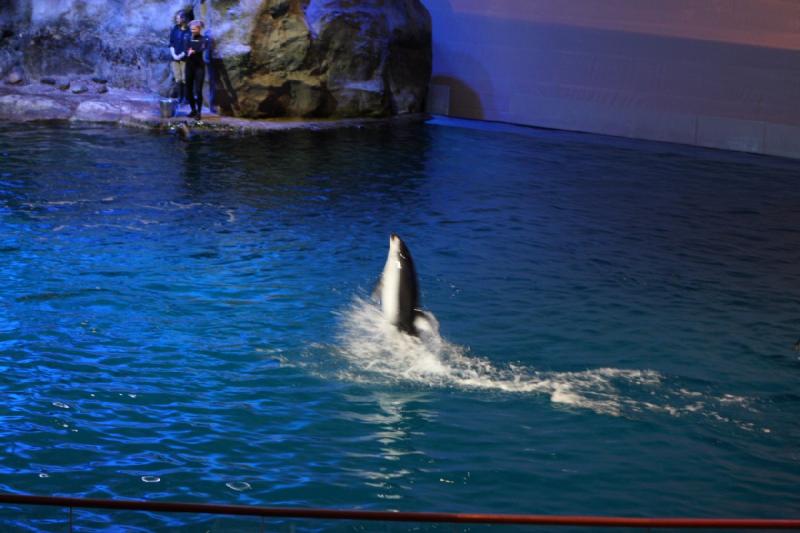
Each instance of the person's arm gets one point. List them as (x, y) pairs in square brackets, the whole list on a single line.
[(187, 47), (176, 57)]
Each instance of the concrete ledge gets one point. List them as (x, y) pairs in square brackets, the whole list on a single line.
[(782, 140), (731, 134), (41, 102), (38, 102), (759, 137)]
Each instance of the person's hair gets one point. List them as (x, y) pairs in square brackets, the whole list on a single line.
[(182, 14), (197, 22)]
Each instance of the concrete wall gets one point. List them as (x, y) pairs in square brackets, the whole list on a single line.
[(719, 73)]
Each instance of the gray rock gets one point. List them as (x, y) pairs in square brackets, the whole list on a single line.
[(15, 77), (102, 89), (23, 108), (63, 85), (96, 111), (80, 89), (48, 81)]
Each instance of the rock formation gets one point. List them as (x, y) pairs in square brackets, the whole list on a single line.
[(273, 58)]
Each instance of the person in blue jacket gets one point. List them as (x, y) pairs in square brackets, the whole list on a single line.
[(198, 49), (176, 47)]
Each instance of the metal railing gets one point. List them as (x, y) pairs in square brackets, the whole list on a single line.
[(390, 516)]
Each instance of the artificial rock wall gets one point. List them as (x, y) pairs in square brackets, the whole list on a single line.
[(272, 58)]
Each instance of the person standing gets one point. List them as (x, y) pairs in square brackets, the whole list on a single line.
[(177, 38), (198, 48)]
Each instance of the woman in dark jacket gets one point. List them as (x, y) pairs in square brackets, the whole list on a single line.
[(198, 49), (176, 41)]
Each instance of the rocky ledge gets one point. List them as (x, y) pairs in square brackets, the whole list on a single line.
[(94, 101), (271, 58)]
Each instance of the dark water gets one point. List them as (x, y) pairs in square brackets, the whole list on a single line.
[(191, 321)]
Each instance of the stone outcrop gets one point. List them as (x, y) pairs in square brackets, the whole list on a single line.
[(22, 108), (273, 58), (91, 102), (94, 111)]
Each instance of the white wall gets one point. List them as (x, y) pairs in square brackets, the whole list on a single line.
[(720, 73)]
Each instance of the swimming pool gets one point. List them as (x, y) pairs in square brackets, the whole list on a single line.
[(191, 321)]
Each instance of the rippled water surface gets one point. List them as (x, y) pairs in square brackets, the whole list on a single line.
[(192, 321)]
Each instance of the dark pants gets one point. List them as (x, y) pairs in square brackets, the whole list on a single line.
[(195, 76)]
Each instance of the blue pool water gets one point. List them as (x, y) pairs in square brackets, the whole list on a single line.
[(191, 321)]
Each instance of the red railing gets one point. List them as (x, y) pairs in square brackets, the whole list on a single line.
[(388, 516)]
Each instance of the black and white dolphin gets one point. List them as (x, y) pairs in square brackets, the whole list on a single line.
[(398, 291)]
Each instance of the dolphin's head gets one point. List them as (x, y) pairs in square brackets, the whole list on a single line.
[(398, 248), (395, 242)]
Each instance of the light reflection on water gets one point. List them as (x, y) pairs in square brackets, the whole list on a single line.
[(616, 322)]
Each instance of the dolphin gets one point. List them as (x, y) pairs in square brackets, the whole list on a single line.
[(398, 290)]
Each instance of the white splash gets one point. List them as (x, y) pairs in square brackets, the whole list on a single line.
[(374, 351), (377, 352), (238, 486)]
